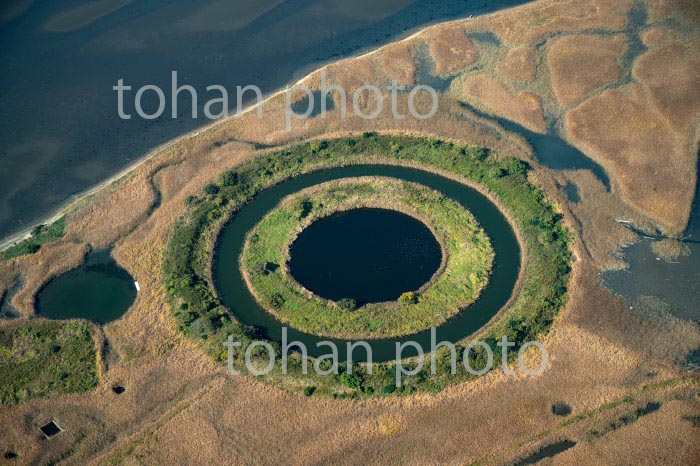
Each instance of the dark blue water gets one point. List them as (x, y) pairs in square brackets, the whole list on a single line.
[(572, 192), (369, 255), (235, 294), (675, 283), (60, 132)]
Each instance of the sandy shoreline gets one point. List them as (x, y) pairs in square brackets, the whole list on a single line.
[(15, 238)]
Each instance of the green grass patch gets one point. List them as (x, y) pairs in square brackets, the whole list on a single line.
[(40, 235), (43, 358), (467, 264), (543, 292)]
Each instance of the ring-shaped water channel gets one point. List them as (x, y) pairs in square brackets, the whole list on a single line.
[(234, 293)]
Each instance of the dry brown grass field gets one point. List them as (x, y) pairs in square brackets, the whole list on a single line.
[(524, 107), (519, 65), (608, 362), (451, 49), (570, 59)]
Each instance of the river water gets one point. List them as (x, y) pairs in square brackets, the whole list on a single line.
[(60, 131)]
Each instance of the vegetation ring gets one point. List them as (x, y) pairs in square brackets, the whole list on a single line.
[(524, 295)]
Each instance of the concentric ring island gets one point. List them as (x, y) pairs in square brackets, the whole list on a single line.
[(211, 304)]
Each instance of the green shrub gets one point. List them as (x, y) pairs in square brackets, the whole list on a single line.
[(318, 146), (211, 189), (351, 380), (497, 172), (347, 304), (277, 300), (41, 234), (228, 179), (308, 391), (409, 297)]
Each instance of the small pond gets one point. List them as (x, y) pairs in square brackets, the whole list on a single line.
[(99, 290), (369, 255)]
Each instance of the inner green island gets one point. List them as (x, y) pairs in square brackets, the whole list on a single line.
[(467, 257)]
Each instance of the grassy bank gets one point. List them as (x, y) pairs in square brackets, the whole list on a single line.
[(467, 252), (542, 292), (40, 235), (44, 358)]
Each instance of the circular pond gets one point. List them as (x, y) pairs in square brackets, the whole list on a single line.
[(368, 254), (99, 290), (235, 294)]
